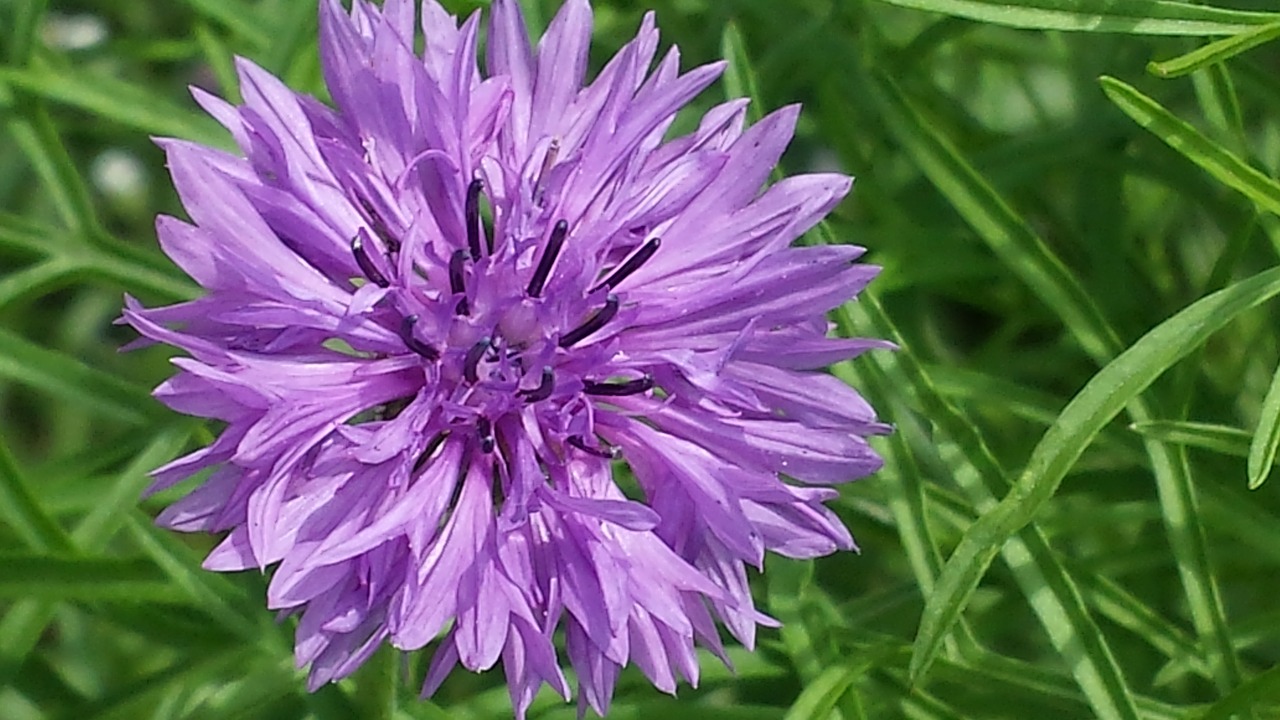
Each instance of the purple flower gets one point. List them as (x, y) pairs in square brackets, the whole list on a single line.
[(494, 358)]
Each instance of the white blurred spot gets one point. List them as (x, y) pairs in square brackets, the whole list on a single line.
[(118, 173), (73, 32)]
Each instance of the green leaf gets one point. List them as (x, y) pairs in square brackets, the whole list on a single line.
[(1029, 258), (23, 512), (1133, 17), (144, 696), (137, 277), (25, 622), (64, 376), (739, 78), (1262, 450), (111, 512), (135, 106), (1000, 227), (786, 583), (24, 35), (34, 280), (82, 578), (1121, 607), (1258, 691), (1209, 436), (1045, 583), (26, 236), (40, 142), (821, 694), (240, 18), (1084, 417), (1215, 52), (215, 593), (1214, 159)]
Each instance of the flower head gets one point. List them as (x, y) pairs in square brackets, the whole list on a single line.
[(496, 359)]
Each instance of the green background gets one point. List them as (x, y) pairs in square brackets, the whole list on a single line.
[(1077, 249)]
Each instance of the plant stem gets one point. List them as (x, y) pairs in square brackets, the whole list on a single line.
[(378, 685)]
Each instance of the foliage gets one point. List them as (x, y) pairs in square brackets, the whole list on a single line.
[(1075, 205)]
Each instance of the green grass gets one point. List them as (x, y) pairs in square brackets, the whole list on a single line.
[(1075, 205)]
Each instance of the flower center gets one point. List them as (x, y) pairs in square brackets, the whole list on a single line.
[(489, 352)]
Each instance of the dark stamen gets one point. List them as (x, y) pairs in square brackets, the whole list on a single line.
[(544, 389), (498, 490), (412, 342), (578, 442), (549, 255), (433, 445), (377, 223), (630, 387), (472, 217), (456, 282), (631, 265), (471, 363), (366, 263), (597, 320), (485, 429)]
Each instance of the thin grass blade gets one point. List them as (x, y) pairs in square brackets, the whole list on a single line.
[(1262, 449), (1214, 159), (1215, 52), (1080, 422), (1132, 17)]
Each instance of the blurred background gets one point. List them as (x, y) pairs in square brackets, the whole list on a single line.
[(1034, 221)]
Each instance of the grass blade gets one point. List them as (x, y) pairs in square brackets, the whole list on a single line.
[(1083, 418), (34, 280), (1215, 52), (1000, 227), (1133, 17), (820, 696), (64, 376), (1262, 450), (1208, 436), (1051, 591), (111, 99), (1214, 159), (215, 593), (82, 578), (238, 17), (1261, 689), (40, 142), (23, 511), (739, 77)]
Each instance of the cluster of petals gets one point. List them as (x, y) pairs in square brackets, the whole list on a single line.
[(498, 364)]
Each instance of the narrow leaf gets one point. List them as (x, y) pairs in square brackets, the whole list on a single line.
[(1084, 417), (1214, 159), (1215, 52), (1046, 584), (1209, 436), (239, 17), (739, 77), (1260, 690), (1007, 234), (821, 694), (22, 510), (79, 578), (58, 374), (1132, 17), (38, 139), (112, 99), (1262, 450)]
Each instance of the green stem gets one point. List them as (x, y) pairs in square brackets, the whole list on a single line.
[(378, 685)]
